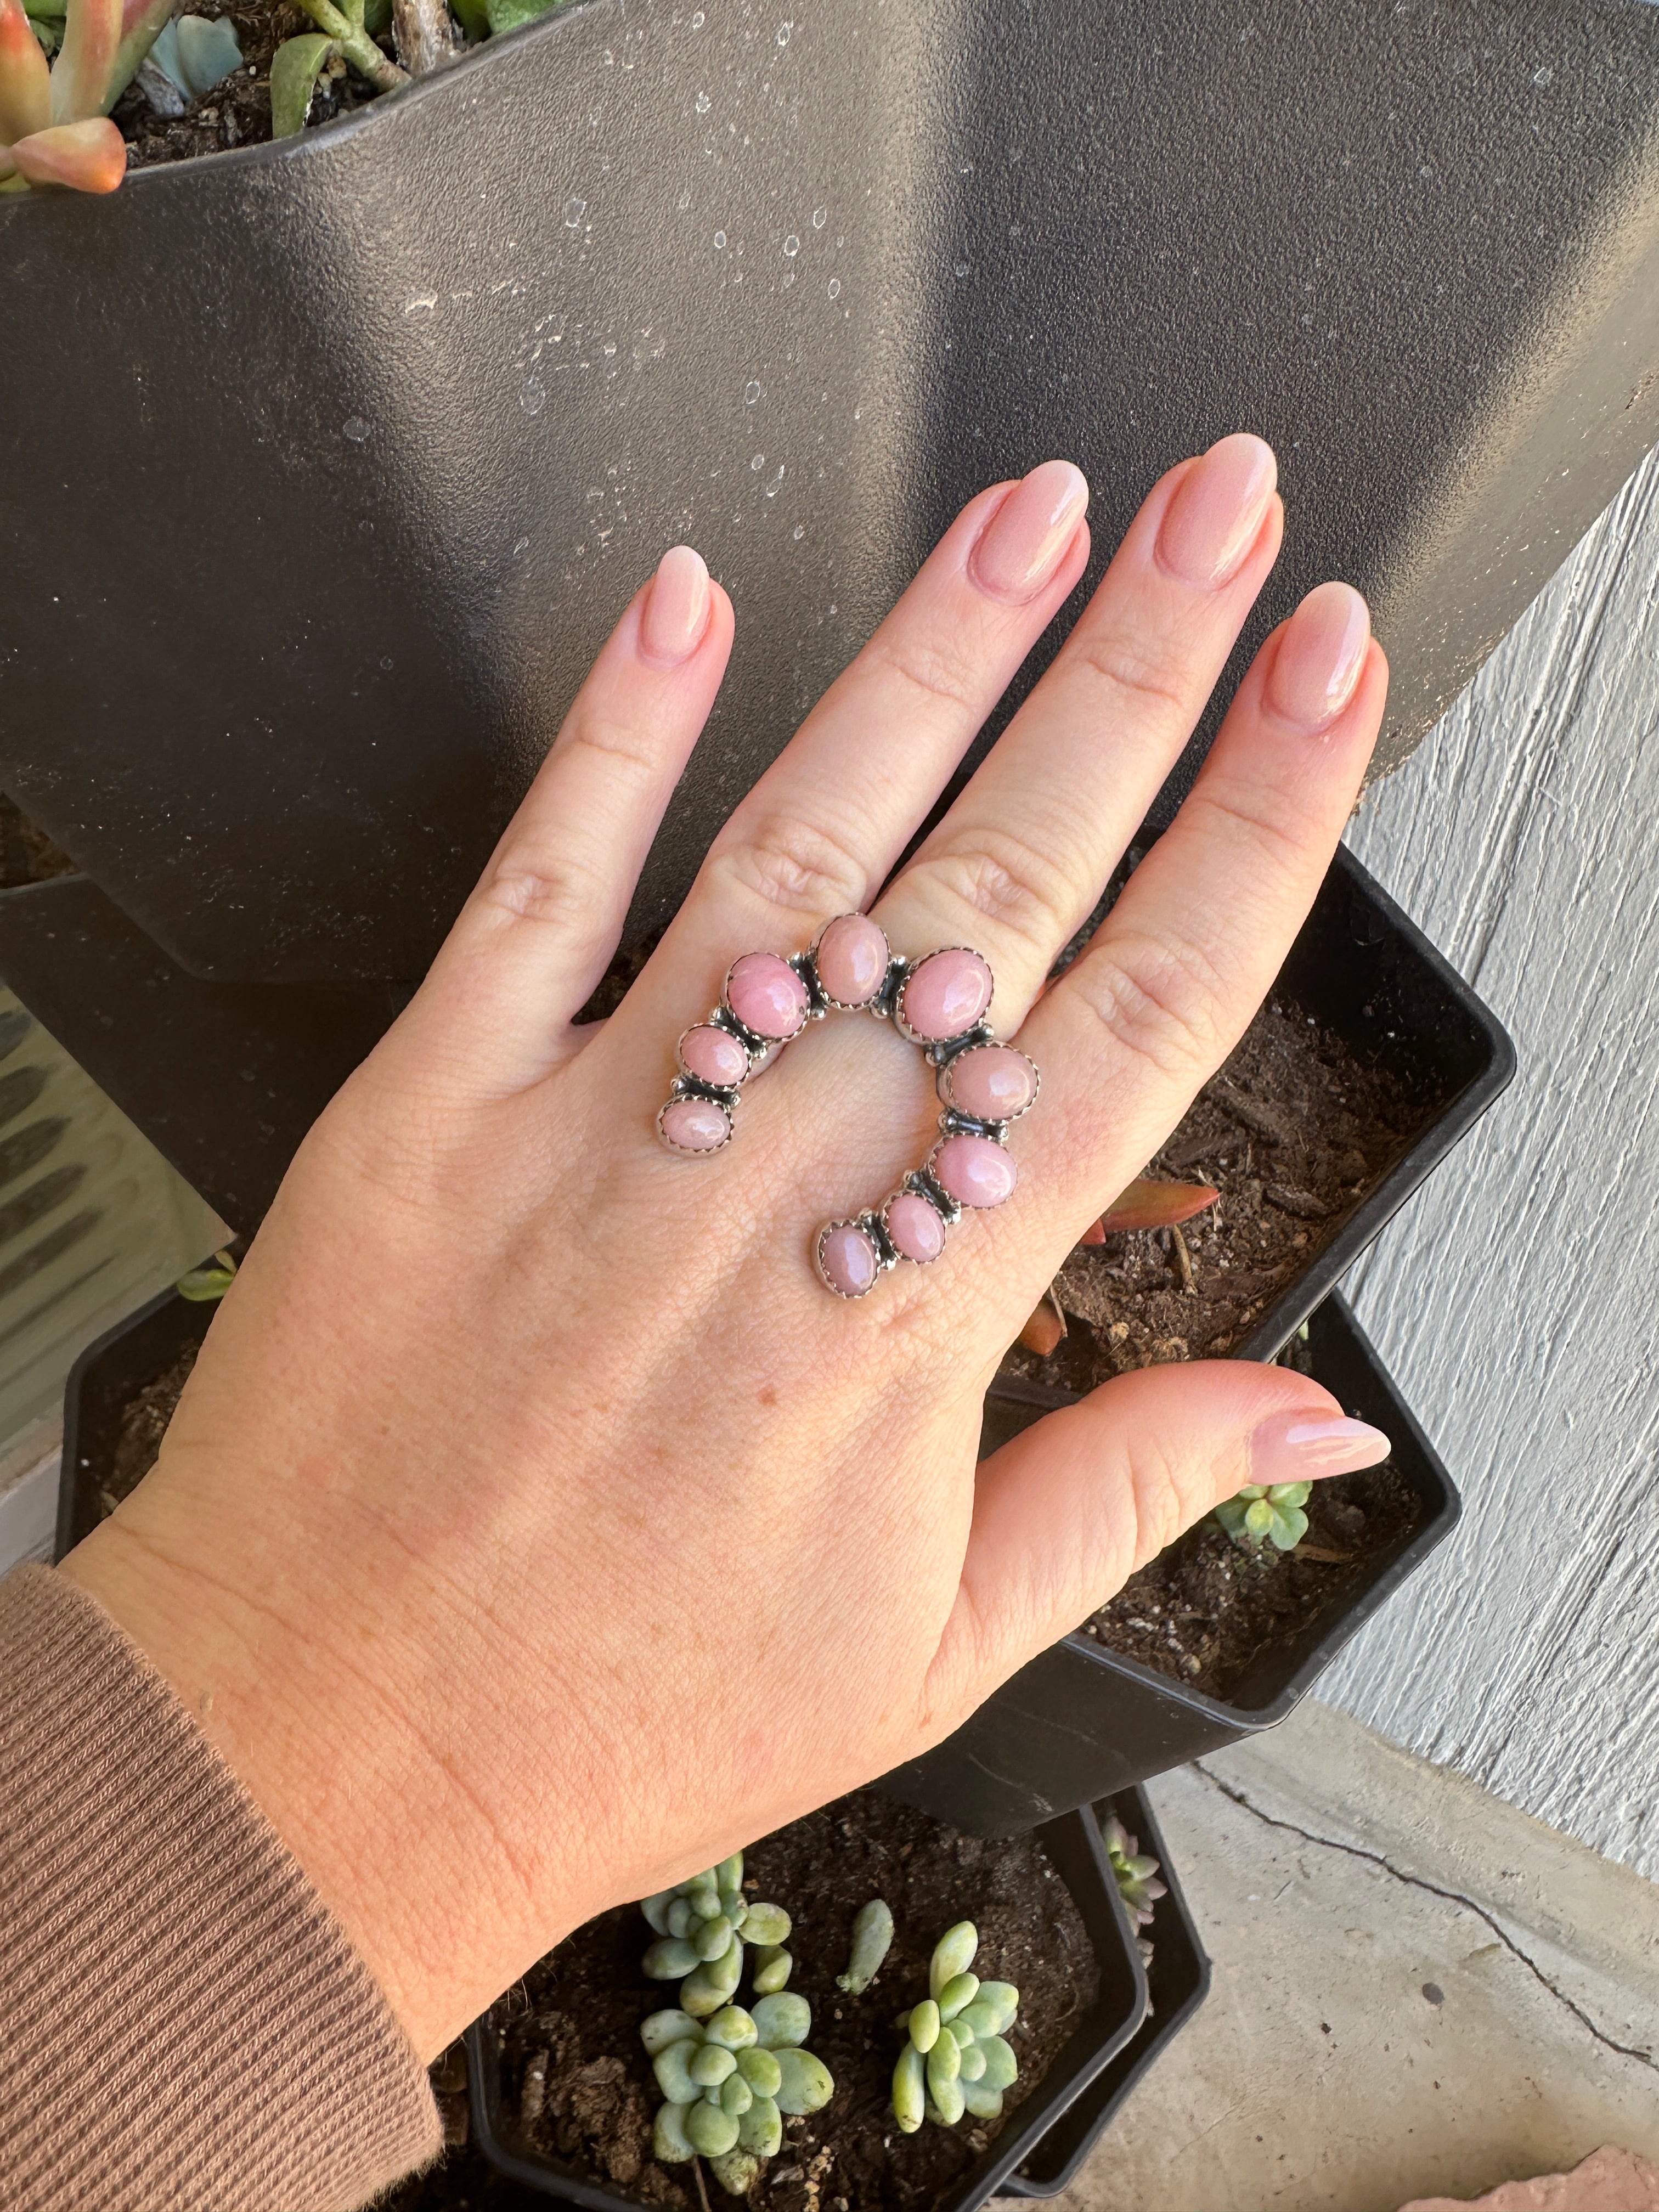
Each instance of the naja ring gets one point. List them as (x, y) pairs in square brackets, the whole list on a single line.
[(939, 1003)]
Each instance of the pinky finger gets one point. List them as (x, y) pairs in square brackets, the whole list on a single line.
[(494, 1013)]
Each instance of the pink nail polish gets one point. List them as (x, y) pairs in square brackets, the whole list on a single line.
[(1301, 1446), (676, 610), (1216, 515), (1028, 535), (1322, 650)]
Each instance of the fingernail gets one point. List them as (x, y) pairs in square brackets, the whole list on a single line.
[(1029, 532), (1322, 650), (1214, 518), (676, 611), (1301, 1446)]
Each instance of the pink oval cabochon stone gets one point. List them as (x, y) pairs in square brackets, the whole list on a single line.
[(946, 994), (848, 1258), (767, 996), (915, 1227), (992, 1081), (975, 1171), (694, 1125), (714, 1055), (852, 959)]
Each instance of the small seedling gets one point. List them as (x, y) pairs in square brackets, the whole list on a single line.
[(1270, 1513), (202, 1285), (728, 2076), (955, 2059), (872, 1935), (1144, 1205), (1137, 1875)]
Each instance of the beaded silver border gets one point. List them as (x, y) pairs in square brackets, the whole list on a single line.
[(896, 987)]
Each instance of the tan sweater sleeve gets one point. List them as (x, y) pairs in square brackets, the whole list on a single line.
[(182, 2025)]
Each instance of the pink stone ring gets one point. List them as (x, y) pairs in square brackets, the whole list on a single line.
[(939, 1003)]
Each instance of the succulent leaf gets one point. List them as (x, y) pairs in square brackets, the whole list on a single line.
[(944, 2064), (1001, 2066), (672, 2066), (736, 2172), (973, 2063), (1148, 1205), (947, 2109), (710, 2064), (767, 1923), (924, 2026), (772, 1970), (782, 2021), (728, 1875), (712, 1939), (760, 2127), (25, 80), (984, 2104), (761, 2070), (710, 2130), (806, 2083), (714, 1982), (80, 157), (959, 1992), (659, 2029), (1274, 1515), (667, 1960), (1004, 2001), (732, 2028), (909, 2088), (295, 68), (669, 2140), (872, 1936), (655, 1909), (952, 1956)]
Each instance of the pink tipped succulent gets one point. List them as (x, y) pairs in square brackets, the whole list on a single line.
[(1144, 1205), (54, 125)]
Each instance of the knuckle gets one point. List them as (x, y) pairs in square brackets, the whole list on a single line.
[(1129, 671), (1159, 1001), (1159, 1496), (936, 674), (1273, 824), (799, 866), (1011, 882), (524, 886)]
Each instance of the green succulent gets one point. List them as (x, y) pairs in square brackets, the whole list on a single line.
[(729, 2076), (1267, 1511), (873, 1934), (1137, 1876), (955, 2059)]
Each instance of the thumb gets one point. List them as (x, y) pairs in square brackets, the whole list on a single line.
[(1064, 1513)]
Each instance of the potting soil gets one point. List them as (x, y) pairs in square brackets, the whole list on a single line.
[(582, 2006)]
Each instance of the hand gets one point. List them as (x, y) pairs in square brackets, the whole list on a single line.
[(536, 1528)]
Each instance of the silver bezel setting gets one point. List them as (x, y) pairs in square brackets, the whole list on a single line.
[(688, 1087), (816, 984), (735, 1022), (870, 1227), (942, 1080)]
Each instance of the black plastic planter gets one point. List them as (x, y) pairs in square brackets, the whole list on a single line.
[(108, 1374), (1178, 1980), (345, 451), (1073, 1844), (1082, 1721)]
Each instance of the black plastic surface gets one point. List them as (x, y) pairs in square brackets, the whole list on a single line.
[(110, 1372), (1178, 1980), (344, 452), (1073, 1844), (1082, 1721)]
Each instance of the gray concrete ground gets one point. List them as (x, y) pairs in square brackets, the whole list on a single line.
[(1417, 1990)]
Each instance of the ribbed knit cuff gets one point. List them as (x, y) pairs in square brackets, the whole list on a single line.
[(182, 2024)]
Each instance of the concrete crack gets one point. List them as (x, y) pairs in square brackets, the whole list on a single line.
[(1450, 1896)]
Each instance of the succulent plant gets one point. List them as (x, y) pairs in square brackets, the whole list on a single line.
[(872, 1935), (1144, 1205), (1266, 1512), (728, 2076), (1137, 1876), (202, 1285), (955, 2059)]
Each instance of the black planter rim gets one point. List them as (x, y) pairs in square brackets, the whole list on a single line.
[(984, 2180), (74, 1390), (1249, 1719), (1174, 1926)]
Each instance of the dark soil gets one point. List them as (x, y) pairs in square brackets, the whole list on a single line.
[(1204, 1611), (237, 111), (1294, 1132), (27, 856), (581, 2007), (144, 1420)]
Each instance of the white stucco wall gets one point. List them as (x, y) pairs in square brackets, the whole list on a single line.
[(1517, 1297)]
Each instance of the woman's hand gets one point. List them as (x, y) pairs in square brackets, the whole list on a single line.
[(535, 1528)]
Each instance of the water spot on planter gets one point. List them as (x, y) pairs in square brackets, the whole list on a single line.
[(758, 461), (703, 103), (800, 531), (356, 428), (422, 305), (791, 245), (752, 390), (784, 29), (387, 662), (772, 488), (835, 288), (519, 544), (575, 209), (684, 200), (961, 268), (820, 217), (698, 19), (533, 397), (719, 240)]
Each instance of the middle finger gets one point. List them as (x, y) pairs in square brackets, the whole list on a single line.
[(1020, 860)]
